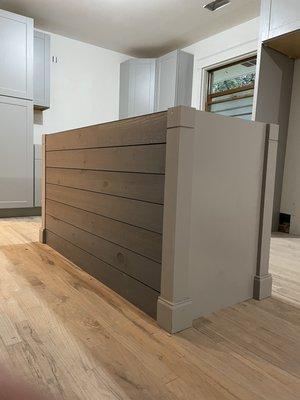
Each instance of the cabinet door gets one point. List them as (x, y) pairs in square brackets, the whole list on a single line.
[(124, 90), (137, 81), (16, 153), (141, 87), (41, 70), (166, 78), (279, 17), (16, 55)]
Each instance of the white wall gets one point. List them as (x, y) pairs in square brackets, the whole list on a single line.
[(84, 87), (85, 81), (290, 201), (232, 44)]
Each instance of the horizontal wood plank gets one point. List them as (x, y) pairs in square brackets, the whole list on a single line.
[(134, 291), (138, 267), (146, 159), (146, 129), (141, 241), (138, 213), (146, 187)]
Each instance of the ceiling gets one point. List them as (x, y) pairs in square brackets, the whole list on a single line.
[(141, 28)]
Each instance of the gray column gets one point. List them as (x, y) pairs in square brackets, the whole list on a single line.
[(42, 233), (263, 280), (174, 308)]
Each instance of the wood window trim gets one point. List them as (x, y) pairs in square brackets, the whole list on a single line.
[(246, 96), (211, 96)]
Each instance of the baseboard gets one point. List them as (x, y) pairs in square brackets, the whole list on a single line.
[(174, 317), (262, 288), (20, 212)]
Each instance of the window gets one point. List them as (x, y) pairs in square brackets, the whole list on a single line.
[(231, 89)]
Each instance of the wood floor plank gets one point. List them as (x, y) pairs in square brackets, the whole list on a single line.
[(285, 267), (136, 292), (8, 332), (79, 340)]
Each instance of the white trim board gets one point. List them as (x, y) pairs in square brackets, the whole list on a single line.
[(202, 65), (231, 45)]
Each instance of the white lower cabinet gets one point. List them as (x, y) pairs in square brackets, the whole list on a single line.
[(16, 153)]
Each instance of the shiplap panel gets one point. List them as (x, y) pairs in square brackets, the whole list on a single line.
[(141, 268), (146, 159), (144, 242), (144, 215), (133, 131), (104, 195), (131, 289), (145, 187)]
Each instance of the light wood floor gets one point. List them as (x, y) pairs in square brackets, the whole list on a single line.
[(285, 267), (69, 335)]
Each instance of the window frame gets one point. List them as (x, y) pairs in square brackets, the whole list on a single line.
[(210, 96)]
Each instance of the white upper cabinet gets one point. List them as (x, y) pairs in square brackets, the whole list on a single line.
[(174, 80), (149, 85), (166, 75), (16, 55), (137, 80), (279, 17), (41, 70)]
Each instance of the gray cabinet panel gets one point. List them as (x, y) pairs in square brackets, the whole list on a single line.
[(174, 80), (166, 78), (16, 55), (16, 153), (148, 85), (184, 87), (38, 175), (279, 17), (41, 70), (137, 79)]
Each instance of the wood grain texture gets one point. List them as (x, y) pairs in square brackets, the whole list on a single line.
[(143, 242), (141, 268), (79, 340), (132, 290), (104, 202), (146, 159), (145, 187), (144, 215), (133, 131), (285, 267)]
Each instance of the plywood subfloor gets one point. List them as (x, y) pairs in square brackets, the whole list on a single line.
[(71, 337)]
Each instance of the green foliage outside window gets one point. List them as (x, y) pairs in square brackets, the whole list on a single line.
[(233, 83)]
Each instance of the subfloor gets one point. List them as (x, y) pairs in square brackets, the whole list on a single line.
[(69, 335)]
